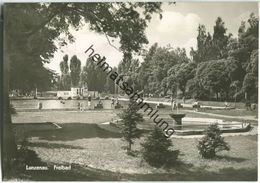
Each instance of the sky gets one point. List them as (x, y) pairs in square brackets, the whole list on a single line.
[(177, 28)]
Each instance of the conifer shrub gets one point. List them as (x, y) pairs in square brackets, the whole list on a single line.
[(212, 142), (156, 150)]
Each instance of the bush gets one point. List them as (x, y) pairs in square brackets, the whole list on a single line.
[(25, 157), (212, 142), (28, 157), (14, 167), (130, 118), (156, 150)]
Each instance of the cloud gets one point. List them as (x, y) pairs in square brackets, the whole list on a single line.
[(176, 29), (84, 39), (178, 24)]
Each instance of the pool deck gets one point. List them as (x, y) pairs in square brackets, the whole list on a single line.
[(252, 118), (184, 105)]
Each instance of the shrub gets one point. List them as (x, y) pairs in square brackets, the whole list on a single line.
[(14, 167), (28, 157), (156, 150), (212, 142), (25, 157), (130, 118)]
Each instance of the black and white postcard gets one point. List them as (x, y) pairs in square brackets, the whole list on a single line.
[(130, 91)]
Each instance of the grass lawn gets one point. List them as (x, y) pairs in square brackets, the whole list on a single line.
[(95, 150), (96, 154), (64, 117)]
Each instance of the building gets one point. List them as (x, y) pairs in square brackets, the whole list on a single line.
[(74, 93)]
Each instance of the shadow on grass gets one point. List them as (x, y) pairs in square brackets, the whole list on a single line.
[(185, 174), (52, 145), (77, 173), (73, 131), (228, 158)]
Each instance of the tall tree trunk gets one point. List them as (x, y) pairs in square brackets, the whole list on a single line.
[(9, 150)]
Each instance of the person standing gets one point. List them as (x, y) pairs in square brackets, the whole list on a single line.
[(172, 101), (78, 105), (81, 107), (248, 105), (40, 106), (112, 101), (89, 101), (226, 105)]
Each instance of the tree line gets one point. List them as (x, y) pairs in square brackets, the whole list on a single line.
[(222, 67), (90, 76)]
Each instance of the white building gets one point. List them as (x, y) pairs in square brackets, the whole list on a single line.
[(74, 93)]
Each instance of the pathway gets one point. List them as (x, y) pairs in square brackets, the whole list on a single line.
[(169, 104), (252, 118)]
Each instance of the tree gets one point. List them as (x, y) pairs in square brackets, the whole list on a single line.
[(93, 76), (198, 55), (24, 58), (75, 69), (250, 83), (130, 118), (109, 86), (172, 80), (220, 39), (129, 68), (156, 150), (83, 79), (247, 55), (65, 76), (26, 54), (157, 62), (211, 47), (180, 75), (216, 75), (242, 48), (212, 142), (145, 68)]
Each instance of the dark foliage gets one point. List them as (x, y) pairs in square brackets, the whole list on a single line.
[(156, 150), (130, 118), (212, 142)]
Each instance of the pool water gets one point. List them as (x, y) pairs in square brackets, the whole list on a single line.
[(57, 104), (195, 123)]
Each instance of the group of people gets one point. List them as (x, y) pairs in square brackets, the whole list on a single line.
[(174, 104), (81, 104), (114, 102)]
